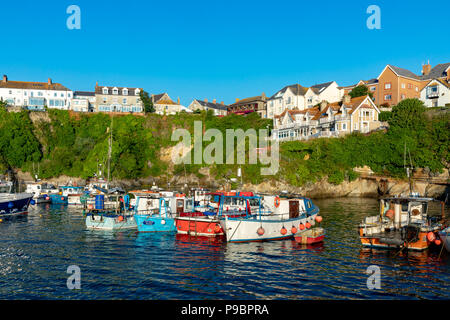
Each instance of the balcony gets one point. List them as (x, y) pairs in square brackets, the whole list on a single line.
[(432, 92)]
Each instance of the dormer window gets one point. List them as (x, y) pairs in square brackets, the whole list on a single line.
[(105, 90), (136, 92), (115, 91), (125, 92)]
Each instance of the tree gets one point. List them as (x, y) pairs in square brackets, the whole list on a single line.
[(408, 114), (147, 102), (360, 91)]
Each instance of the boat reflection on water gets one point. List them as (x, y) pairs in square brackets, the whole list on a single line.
[(314, 247), (185, 240), (420, 259)]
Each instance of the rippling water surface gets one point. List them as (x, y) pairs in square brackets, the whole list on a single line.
[(35, 252)]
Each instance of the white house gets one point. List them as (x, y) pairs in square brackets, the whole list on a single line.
[(297, 97), (35, 95), (163, 104), (436, 93), (83, 101), (289, 98)]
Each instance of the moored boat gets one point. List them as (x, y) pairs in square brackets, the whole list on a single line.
[(311, 236), (41, 191), (402, 223), (15, 203), (114, 219), (289, 216), (207, 222), (153, 214)]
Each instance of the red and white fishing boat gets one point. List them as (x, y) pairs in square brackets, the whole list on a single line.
[(206, 222)]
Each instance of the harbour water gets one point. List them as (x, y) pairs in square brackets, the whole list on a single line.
[(36, 250)]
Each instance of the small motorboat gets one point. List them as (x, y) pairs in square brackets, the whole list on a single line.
[(314, 235)]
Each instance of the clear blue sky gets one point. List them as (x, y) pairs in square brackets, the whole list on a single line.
[(222, 49)]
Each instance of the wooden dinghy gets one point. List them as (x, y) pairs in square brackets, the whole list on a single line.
[(311, 236)]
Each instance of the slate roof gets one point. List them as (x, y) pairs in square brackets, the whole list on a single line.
[(317, 88), (437, 72), (404, 72), (99, 90), (84, 93), (33, 85), (212, 105), (297, 89)]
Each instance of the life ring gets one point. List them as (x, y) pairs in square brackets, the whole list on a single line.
[(277, 201)]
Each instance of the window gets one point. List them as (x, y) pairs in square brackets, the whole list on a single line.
[(55, 94), (39, 94), (387, 85), (410, 86), (125, 92), (417, 89), (387, 97), (25, 93), (115, 91), (403, 86), (373, 88), (124, 100), (403, 96), (104, 100), (105, 90), (344, 126)]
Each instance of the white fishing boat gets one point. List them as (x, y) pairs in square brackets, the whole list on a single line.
[(41, 191), (15, 203), (288, 217)]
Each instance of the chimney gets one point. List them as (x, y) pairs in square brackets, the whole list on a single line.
[(237, 99), (323, 105), (214, 101), (221, 103), (206, 100), (5, 79), (347, 99), (263, 95), (96, 84), (49, 81), (178, 100), (426, 68)]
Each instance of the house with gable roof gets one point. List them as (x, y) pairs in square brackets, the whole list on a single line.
[(163, 104), (118, 99), (219, 109), (436, 92), (328, 120), (297, 97)]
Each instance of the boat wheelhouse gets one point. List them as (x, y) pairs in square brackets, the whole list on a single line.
[(41, 191), (153, 214), (403, 222)]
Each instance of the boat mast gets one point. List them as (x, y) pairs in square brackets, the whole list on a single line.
[(110, 149)]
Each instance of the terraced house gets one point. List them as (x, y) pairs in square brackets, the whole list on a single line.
[(247, 105), (297, 97), (328, 120), (35, 95), (118, 99)]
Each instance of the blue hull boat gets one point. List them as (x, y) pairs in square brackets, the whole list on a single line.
[(14, 203), (58, 199), (148, 223)]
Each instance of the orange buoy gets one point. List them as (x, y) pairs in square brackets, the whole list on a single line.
[(283, 231), (308, 225), (430, 236), (62, 198), (437, 242), (390, 214), (301, 226), (91, 206), (294, 230), (319, 219), (120, 218), (260, 231), (277, 201)]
